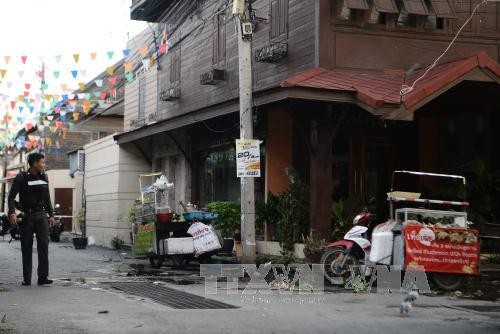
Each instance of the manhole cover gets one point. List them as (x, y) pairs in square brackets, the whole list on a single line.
[(480, 308), (170, 297)]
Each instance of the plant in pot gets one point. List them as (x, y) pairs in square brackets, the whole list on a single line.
[(228, 222), (80, 241), (313, 248)]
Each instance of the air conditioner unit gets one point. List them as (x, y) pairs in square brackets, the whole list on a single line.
[(170, 94), (212, 77)]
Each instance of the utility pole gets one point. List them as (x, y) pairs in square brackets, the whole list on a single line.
[(246, 128)]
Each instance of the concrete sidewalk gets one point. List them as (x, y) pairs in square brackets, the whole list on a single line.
[(81, 301)]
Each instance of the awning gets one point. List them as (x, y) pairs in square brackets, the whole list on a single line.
[(380, 94), (386, 6), (443, 9), (417, 7), (7, 179), (357, 4)]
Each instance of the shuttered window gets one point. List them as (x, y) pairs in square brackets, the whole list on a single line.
[(357, 4), (279, 19), (416, 7), (175, 65), (219, 39), (386, 6)]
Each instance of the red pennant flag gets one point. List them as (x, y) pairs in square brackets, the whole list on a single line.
[(59, 124), (112, 80), (13, 104), (112, 91), (26, 94), (23, 59), (27, 86), (163, 48), (102, 96)]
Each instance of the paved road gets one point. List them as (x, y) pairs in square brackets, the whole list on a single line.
[(71, 306)]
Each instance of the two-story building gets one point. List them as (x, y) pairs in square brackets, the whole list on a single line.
[(328, 80)]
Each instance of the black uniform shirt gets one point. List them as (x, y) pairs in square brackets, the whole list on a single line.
[(33, 192)]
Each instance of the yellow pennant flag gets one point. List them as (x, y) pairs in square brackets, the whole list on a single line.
[(2, 73), (56, 97), (110, 70), (48, 140), (76, 56), (7, 59), (48, 97), (86, 109), (82, 85), (64, 87), (76, 116)]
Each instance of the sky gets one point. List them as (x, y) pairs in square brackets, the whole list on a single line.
[(43, 29)]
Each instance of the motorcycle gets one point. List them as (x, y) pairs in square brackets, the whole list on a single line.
[(7, 228), (58, 227), (351, 251)]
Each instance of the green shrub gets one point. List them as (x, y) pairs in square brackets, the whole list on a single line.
[(229, 217)]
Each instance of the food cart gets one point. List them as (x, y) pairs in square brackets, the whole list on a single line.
[(161, 234), (434, 233)]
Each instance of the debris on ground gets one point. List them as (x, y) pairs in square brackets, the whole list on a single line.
[(2, 289), (456, 318), (478, 293), (458, 293), (103, 312)]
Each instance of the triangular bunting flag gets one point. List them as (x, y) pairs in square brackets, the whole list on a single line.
[(126, 52), (32, 108), (81, 85), (56, 74), (87, 96), (76, 116), (112, 80), (110, 70), (65, 97), (128, 66), (145, 64), (93, 55), (20, 73), (83, 73), (96, 94), (9, 84), (163, 49), (73, 103), (64, 87), (26, 94), (98, 83), (102, 96), (7, 59), (71, 96), (58, 58), (71, 125), (112, 91), (80, 96), (2, 73), (102, 103), (76, 57), (27, 86), (74, 73), (144, 51), (45, 85), (110, 54), (23, 59)]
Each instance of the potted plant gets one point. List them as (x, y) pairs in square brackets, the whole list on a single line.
[(313, 248), (228, 222), (80, 242)]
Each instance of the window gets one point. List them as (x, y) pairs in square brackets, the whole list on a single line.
[(279, 19), (103, 134), (351, 10), (175, 66), (377, 17), (219, 39), (409, 10), (142, 96)]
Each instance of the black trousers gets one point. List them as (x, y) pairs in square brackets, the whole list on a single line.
[(35, 223)]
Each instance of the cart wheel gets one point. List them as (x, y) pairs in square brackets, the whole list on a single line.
[(178, 261), (448, 282), (155, 261)]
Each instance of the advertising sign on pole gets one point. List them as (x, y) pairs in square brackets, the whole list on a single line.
[(248, 158)]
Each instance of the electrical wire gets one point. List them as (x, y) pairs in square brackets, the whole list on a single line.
[(407, 89)]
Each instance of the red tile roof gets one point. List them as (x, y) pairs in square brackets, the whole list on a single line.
[(379, 89)]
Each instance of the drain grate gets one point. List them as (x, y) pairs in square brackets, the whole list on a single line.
[(480, 308), (170, 297)]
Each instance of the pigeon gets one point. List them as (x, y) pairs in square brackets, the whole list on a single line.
[(407, 303)]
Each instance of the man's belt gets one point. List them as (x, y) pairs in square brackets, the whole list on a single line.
[(34, 210)]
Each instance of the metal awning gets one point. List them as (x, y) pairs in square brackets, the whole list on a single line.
[(443, 9), (416, 7), (386, 6), (357, 4), (7, 179)]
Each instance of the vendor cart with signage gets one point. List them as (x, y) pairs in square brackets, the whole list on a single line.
[(433, 233), (161, 234)]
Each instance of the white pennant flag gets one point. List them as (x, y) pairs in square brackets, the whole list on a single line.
[(83, 73), (21, 74), (145, 64), (98, 83), (81, 96)]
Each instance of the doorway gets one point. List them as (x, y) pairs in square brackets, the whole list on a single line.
[(64, 197)]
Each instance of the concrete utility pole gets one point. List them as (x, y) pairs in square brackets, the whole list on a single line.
[(246, 130)]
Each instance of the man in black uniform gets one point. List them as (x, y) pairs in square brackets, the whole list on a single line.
[(33, 189)]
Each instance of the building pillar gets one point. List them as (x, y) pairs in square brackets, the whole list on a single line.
[(279, 154), (320, 179)]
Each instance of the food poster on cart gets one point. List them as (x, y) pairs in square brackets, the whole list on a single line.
[(144, 239), (445, 250), (247, 158)]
